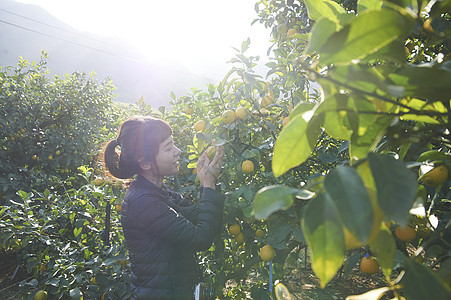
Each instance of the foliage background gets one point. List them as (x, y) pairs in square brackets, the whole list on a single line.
[(364, 86)]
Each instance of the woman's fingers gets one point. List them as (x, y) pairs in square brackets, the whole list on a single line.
[(202, 161), (219, 155), (215, 165)]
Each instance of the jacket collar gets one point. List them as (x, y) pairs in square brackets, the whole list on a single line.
[(142, 182)]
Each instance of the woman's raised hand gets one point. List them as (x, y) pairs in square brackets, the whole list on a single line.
[(208, 170)]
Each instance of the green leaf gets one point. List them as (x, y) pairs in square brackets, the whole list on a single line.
[(31, 263), (394, 52), (384, 248), (298, 234), (277, 233), (204, 137), (363, 5), (324, 236), (351, 198), (368, 136), (396, 186), (295, 143), (245, 45), (365, 35), (425, 81), (324, 9), (432, 155), (249, 154), (304, 194), (77, 231), (54, 282), (301, 108), (420, 282), (24, 195), (199, 144), (339, 114), (271, 199), (361, 77), (76, 293), (321, 32), (419, 118)]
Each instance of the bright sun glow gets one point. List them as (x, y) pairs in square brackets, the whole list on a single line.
[(197, 33)]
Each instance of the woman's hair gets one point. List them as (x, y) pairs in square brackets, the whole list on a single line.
[(139, 137)]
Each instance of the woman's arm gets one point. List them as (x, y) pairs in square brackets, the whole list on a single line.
[(185, 207), (161, 221)]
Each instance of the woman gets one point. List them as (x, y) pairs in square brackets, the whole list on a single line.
[(162, 230)]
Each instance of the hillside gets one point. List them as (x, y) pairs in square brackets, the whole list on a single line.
[(27, 30)]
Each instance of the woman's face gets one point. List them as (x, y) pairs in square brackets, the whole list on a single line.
[(167, 159)]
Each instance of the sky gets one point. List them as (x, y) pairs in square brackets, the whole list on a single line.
[(199, 34)]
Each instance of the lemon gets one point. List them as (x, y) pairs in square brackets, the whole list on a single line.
[(234, 229), (98, 181), (239, 238), (40, 295), (242, 113), (211, 152), (369, 265), (435, 176), (267, 253), (189, 110), (405, 234), (228, 116), (282, 292), (282, 28), (199, 126), (247, 167), (291, 32), (267, 100)]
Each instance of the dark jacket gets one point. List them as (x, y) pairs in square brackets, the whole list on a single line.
[(162, 231)]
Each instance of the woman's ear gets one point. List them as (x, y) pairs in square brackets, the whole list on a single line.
[(145, 165)]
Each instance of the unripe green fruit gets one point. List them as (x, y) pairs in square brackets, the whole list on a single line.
[(40, 295), (211, 152)]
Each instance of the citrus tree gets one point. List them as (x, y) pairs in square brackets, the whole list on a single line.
[(382, 67), (65, 241), (60, 215), (348, 142), (342, 148), (49, 126), (245, 113)]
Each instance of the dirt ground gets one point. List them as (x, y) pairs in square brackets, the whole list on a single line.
[(10, 275), (301, 282)]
